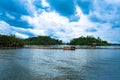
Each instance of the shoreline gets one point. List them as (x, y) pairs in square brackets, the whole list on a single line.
[(75, 49), (11, 47), (60, 47), (63, 46)]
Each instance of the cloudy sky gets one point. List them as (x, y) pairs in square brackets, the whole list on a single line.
[(61, 19)]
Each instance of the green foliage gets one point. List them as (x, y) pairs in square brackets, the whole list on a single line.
[(89, 40), (42, 40), (10, 41)]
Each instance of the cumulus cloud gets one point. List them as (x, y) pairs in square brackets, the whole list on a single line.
[(45, 3), (61, 19), (52, 24), (109, 13), (10, 16), (5, 28), (19, 35)]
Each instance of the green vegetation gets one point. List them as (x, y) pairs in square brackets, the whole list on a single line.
[(10, 42), (13, 42), (42, 40), (89, 40)]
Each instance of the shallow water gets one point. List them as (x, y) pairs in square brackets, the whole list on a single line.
[(46, 64)]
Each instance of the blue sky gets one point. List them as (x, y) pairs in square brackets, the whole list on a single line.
[(61, 19)]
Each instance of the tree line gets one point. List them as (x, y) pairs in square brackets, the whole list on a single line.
[(89, 40), (42, 40), (12, 41)]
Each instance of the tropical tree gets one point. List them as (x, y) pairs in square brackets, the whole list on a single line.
[(10, 41), (89, 40), (42, 40)]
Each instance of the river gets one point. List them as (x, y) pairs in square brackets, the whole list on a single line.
[(51, 64)]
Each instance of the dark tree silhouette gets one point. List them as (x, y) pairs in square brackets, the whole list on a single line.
[(10, 41), (42, 40), (89, 40)]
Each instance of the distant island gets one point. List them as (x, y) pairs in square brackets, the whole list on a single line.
[(42, 40), (13, 42), (89, 40), (10, 42)]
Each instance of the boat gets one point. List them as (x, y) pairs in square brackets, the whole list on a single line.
[(69, 48)]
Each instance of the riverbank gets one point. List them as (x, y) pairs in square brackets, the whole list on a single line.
[(11, 47), (62, 47)]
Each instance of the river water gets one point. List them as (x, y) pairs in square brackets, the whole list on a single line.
[(51, 64)]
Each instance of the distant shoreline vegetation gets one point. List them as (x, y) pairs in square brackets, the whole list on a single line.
[(89, 40), (42, 40), (13, 42), (10, 42)]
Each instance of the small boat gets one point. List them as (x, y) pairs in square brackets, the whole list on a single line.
[(69, 48)]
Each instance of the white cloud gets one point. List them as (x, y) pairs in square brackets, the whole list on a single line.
[(37, 32), (29, 6), (45, 3), (19, 35), (29, 30), (113, 1), (5, 28), (57, 26), (10, 16), (52, 22), (107, 33), (108, 13)]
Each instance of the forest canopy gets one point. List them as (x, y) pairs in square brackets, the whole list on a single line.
[(89, 40), (10, 41), (42, 40)]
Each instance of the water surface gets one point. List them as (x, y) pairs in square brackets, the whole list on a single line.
[(46, 64)]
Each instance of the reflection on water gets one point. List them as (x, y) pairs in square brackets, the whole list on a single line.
[(43, 64)]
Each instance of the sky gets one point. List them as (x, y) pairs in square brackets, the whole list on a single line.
[(61, 19)]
